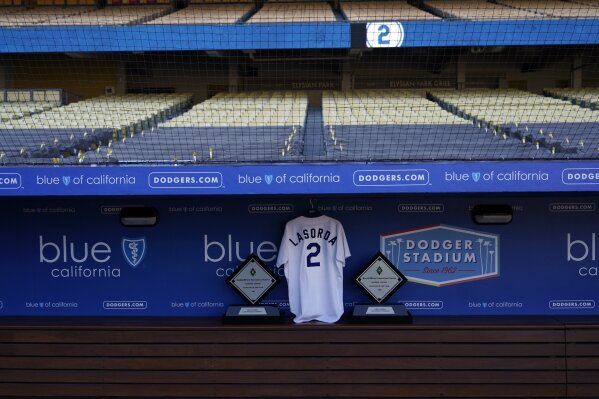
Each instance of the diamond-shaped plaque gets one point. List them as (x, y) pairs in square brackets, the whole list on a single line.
[(252, 279), (379, 278)]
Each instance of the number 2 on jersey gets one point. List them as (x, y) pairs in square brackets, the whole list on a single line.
[(314, 249)]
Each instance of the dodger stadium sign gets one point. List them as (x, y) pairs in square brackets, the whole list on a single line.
[(441, 255)]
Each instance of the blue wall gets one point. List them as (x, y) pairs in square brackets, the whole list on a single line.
[(543, 263)]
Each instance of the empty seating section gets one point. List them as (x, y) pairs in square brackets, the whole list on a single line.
[(271, 126), (477, 10), (383, 11), (553, 8), (592, 3), (382, 107), (17, 110), (246, 127), (68, 133), (563, 129), (246, 109), (81, 15), (586, 98), (118, 15), (16, 104), (294, 12), (44, 15), (133, 12), (206, 14), (402, 125)]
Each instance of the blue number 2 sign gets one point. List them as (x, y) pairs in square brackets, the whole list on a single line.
[(384, 34)]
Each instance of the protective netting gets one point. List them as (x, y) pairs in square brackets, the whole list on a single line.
[(155, 82)]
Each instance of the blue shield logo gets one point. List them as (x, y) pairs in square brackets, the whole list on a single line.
[(268, 179), (66, 180), (134, 250), (476, 176)]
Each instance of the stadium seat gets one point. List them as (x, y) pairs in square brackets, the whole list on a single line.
[(72, 130), (294, 12), (244, 127), (554, 124), (378, 125), (43, 15), (206, 14), (553, 8), (383, 11), (477, 10)]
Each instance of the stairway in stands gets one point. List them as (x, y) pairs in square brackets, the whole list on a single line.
[(314, 134)]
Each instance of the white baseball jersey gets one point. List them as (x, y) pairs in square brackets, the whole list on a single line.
[(313, 253)]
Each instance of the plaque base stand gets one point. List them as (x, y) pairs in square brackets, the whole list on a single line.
[(252, 314), (395, 313)]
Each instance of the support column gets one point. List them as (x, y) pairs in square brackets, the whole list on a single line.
[(121, 78), (461, 73), (4, 78), (576, 73), (233, 75), (346, 76)]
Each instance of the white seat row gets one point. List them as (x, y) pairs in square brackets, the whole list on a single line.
[(10, 110), (553, 8), (478, 9), (246, 110), (591, 3), (206, 14), (294, 12), (383, 107), (115, 112), (82, 15), (588, 95), (118, 15), (44, 15), (383, 11), (513, 106)]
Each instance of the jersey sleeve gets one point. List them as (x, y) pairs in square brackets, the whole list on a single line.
[(342, 250), (283, 255)]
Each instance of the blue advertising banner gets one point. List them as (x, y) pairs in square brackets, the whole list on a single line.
[(454, 177), (72, 257)]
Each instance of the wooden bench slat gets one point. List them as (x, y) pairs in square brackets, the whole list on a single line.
[(285, 336), (285, 363), (590, 335), (290, 390), (583, 390), (583, 376), (584, 363), (247, 377), (582, 349), (276, 349)]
